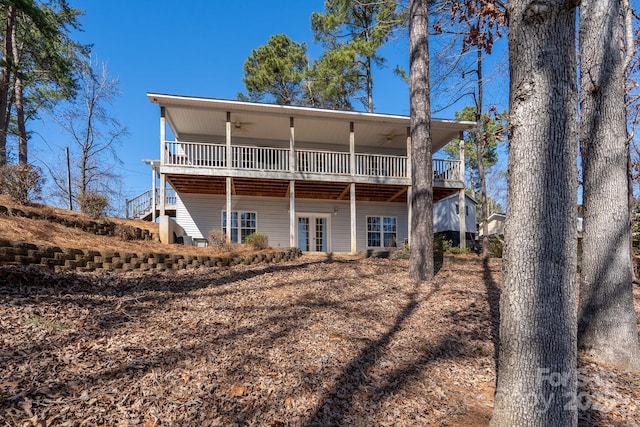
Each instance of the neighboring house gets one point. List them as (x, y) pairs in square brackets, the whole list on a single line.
[(495, 224), (319, 180), (446, 218)]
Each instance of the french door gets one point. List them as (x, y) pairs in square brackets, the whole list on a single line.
[(313, 233)]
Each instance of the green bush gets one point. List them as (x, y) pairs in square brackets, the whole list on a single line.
[(257, 240), (458, 250), (22, 183), (93, 204), (440, 244)]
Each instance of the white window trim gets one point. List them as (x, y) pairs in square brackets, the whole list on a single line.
[(239, 228), (366, 227)]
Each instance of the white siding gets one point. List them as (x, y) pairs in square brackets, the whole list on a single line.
[(199, 213), (443, 212), (445, 217)]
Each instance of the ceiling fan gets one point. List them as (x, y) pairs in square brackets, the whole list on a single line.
[(389, 137), (239, 126)]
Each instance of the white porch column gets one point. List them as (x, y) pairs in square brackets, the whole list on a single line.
[(352, 188), (292, 214), (352, 149), (292, 147), (409, 188), (352, 210), (461, 199), (154, 199), (228, 209), (163, 194), (228, 183), (292, 184), (228, 139), (163, 136)]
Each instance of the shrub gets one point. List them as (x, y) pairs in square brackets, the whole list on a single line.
[(440, 244), (495, 248), (93, 204), (218, 240), (257, 240), (22, 183), (458, 250)]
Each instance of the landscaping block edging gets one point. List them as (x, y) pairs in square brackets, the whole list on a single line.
[(86, 260)]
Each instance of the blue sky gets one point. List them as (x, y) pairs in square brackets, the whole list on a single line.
[(195, 48)]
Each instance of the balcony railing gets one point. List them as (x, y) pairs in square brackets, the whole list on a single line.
[(379, 165), (323, 162), (260, 158), (308, 161)]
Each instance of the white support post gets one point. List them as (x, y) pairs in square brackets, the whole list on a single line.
[(292, 184), (461, 217), (163, 194), (228, 208), (228, 181), (408, 152), (228, 139), (352, 149), (292, 147), (154, 200), (163, 136), (292, 214), (462, 211), (352, 210)]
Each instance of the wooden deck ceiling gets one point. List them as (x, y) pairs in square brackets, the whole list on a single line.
[(303, 189)]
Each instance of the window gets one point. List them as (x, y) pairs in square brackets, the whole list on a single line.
[(242, 224), (457, 209), (381, 231)]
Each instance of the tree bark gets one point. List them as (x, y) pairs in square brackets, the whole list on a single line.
[(18, 88), (537, 376), (607, 320), (5, 81), (421, 258)]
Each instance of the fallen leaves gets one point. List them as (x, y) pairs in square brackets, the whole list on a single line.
[(307, 342)]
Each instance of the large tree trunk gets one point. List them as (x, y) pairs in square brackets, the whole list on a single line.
[(537, 357), (421, 258), (19, 102), (607, 323), (369, 86), (5, 81)]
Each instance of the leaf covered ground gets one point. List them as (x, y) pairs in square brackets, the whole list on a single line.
[(316, 341)]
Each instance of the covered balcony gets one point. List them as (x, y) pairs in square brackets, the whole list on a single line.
[(282, 163)]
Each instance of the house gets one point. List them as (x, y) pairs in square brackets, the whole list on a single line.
[(320, 180), (446, 218), (495, 226)]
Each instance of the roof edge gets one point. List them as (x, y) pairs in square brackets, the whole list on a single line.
[(156, 97)]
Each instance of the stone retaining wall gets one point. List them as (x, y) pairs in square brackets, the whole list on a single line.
[(99, 227), (66, 259)]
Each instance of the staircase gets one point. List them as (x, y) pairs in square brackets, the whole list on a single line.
[(140, 207)]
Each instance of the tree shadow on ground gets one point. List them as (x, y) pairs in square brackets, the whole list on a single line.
[(493, 299)]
